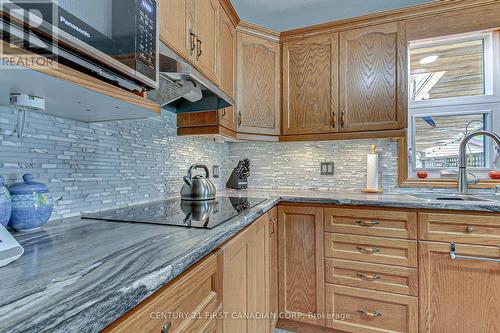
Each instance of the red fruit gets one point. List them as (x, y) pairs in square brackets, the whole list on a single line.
[(422, 174), (494, 174)]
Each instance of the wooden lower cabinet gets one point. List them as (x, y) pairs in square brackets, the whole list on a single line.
[(360, 310), (378, 250), (392, 279), (301, 266), (181, 306), (468, 228), (247, 280), (459, 295), (273, 267)]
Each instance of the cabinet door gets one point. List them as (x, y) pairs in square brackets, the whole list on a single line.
[(261, 290), (372, 78), (310, 85), (273, 266), (183, 303), (239, 280), (226, 66), (206, 27), (458, 295), (258, 85), (174, 25), (301, 265)]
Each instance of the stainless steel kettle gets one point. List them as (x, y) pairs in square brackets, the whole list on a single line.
[(198, 187)]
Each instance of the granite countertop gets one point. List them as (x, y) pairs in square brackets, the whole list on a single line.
[(81, 275)]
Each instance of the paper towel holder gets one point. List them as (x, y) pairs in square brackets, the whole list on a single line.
[(373, 149)]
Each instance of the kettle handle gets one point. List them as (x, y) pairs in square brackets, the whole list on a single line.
[(197, 166)]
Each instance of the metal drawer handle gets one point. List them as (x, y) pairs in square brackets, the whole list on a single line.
[(373, 314), (469, 229), (192, 41), (368, 277), (199, 46), (273, 223), (367, 250), (367, 223), (454, 256), (166, 328)]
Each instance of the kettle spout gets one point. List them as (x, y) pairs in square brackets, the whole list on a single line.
[(187, 180)]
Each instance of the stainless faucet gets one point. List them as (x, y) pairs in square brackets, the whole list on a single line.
[(463, 185)]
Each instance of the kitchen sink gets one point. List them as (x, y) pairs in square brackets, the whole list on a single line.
[(450, 197)]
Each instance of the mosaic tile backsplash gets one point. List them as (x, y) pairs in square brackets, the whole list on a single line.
[(297, 165), (92, 167), (103, 165)]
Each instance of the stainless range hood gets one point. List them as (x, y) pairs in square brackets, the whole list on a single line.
[(184, 89)]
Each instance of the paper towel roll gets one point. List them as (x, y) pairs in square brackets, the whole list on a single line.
[(372, 173)]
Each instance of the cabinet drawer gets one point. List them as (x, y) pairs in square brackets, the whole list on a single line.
[(371, 311), (370, 222), (378, 250), (460, 228), (183, 305), (393, 279)]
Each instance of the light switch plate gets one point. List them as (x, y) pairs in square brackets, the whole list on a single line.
[(215, 171), (327, 169)]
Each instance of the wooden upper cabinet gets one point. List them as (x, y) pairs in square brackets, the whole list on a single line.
[(258, 85), (458, 295), (310, 85), (174, 25), (373, 92), (206, 28), (226, 66), (190, 28)]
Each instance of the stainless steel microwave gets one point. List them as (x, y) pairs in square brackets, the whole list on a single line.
[(115, 39)]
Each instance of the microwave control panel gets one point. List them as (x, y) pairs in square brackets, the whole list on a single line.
[(146, 32)]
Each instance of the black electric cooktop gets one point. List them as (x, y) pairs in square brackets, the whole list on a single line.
[(191, 214)]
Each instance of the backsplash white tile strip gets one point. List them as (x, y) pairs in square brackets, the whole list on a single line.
[(104, 165), (297, 165)]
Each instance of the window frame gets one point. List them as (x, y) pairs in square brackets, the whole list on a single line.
[(492, 123), (489, 103), (490, 67)]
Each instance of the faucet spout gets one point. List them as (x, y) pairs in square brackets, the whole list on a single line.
[(463, 185)]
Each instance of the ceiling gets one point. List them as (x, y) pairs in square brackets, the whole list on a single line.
[(282, 15)]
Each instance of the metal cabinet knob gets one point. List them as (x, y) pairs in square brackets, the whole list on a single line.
[(469, 229), (166, 328)]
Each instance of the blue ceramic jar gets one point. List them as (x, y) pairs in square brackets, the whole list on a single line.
[(5, 204), (31, 204)]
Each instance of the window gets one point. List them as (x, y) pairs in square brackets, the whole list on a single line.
[(453, 90), (450, 69)]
